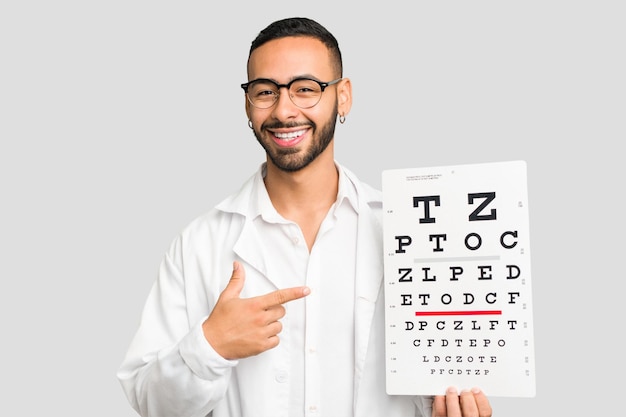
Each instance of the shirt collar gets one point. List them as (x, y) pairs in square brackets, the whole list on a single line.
[(261, 205), (347, 190)]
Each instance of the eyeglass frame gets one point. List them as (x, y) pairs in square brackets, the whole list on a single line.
[(322, 85)]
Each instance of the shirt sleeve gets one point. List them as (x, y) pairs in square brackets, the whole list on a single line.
[(170, 369), (423, 406)]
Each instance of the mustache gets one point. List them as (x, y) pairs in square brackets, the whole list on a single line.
[(290, 125)]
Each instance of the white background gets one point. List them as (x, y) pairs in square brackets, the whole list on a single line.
[(121, 121)]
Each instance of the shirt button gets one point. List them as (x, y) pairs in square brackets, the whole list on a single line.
[(281, 376), (313, 408), (295, 240)]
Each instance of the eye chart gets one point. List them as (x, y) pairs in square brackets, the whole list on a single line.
[(458, 297)]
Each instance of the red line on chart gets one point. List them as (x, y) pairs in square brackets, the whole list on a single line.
[(459, 313)]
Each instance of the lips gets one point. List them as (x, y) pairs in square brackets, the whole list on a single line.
[(287, 139)]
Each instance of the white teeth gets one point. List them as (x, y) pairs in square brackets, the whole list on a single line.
[(289, 135)]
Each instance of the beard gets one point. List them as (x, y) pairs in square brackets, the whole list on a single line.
[(293, 159)]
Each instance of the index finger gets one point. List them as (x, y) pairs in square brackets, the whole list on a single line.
[(283, 296)]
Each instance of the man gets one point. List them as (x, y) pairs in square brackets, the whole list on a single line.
[(271, 304)]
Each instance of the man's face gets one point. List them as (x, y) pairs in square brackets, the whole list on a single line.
[(293, 137)]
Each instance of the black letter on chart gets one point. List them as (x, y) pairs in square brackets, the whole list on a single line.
[(489, 197), (427, 200)]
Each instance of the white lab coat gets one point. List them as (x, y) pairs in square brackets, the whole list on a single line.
[(170, 370)]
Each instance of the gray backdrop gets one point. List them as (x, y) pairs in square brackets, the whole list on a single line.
[(121, 121)]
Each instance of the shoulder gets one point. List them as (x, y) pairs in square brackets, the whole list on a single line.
[(368, 194), (224, 220)]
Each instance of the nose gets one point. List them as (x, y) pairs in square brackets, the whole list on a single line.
[(284, 108)]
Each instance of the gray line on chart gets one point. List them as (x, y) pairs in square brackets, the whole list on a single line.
[(458, 259)]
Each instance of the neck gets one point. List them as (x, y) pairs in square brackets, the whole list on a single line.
[(311, 188), (305, 196)]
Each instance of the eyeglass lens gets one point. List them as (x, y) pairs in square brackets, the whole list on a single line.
[(303, 93)]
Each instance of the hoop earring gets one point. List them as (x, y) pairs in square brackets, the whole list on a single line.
[(250, 123), (342, 119)]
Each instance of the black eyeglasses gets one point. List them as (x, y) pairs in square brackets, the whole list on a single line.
[(305, 93)]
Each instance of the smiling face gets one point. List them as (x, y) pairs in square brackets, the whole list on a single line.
[(293, 137)]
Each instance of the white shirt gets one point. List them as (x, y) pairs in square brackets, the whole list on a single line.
[(321, 371), (171, 370)]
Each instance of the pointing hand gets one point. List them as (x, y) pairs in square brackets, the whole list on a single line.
[(241, 327)]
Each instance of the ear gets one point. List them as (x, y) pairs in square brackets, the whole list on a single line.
[(344, 97)]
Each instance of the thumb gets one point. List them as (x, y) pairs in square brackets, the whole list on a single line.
[(237, 279)]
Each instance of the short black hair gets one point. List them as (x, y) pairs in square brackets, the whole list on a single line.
[(300, 26)]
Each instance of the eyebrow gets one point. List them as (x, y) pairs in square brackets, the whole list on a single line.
[(295, 77)]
